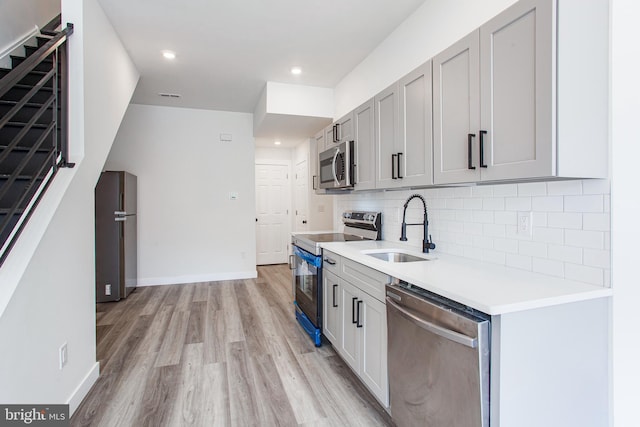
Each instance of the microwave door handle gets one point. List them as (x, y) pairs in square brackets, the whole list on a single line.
[(333, 167)]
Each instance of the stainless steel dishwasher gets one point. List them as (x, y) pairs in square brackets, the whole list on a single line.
[(438, 356)]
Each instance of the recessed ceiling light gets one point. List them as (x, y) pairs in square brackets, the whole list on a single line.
[(277, 143), (168, 54), (296, 70)]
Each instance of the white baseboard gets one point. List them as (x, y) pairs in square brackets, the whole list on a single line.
[(81, 391), (214, 277)]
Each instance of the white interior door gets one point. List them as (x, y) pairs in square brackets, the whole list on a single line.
[(272, 213), (301, 196)]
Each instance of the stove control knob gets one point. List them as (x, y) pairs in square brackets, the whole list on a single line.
[(369, 217), (347, 215)]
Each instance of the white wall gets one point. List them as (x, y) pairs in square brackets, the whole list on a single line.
[(429, 30), (54, 301), (20, 18), (188, 228), (625, 205), (320, 206)]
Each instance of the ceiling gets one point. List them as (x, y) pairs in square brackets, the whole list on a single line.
[(227, 50)]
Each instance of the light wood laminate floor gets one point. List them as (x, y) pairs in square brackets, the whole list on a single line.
[(219, 354)]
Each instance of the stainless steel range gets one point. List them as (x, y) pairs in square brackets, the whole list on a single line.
[(306, 263)]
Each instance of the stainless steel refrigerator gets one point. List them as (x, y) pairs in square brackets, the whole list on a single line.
[(116, 236)]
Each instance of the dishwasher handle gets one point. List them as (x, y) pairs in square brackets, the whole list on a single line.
[(432, 327)]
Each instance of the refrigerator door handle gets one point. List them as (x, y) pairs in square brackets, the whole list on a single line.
[(120, 218), (120, 213)]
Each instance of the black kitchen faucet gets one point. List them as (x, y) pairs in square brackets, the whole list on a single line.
[(427, 243)]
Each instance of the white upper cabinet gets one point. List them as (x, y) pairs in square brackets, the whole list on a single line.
[(403, 131), (509, 98), (363, 125), (456, 112), (516, 93)]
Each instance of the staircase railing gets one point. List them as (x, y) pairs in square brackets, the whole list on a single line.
[(33, 130)]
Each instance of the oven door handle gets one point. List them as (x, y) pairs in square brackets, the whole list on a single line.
[(333, 167), (291, 266), (433, 328)]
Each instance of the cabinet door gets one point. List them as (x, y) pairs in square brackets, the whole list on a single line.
[(332, 294), (330, 136), (516, 71), (386, 134), (373, 333), (345, 128), (415, 140), (321, 141), (456, 112), (364, 130), (349, 347)]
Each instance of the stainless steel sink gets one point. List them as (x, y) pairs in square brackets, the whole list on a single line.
[(397, 257)]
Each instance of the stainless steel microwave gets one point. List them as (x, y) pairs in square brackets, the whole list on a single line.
[(337, 166)]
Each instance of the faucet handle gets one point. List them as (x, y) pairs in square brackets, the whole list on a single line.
[(430, 243)]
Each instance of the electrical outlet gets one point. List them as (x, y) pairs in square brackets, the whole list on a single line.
[(107, 290), (63, 355), (524, 224)]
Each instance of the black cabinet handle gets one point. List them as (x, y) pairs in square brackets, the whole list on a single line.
[(329, 261), (338, 132), (482, 134), (334, 296), (291, 265), (393, 166), (313, 182), (399, 162), (470, 141), (354, 319), (358, 324)]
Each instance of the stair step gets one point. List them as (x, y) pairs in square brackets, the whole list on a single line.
[(8, 133), (45, 65), (30, 79), (15, 157), (4, 234), (25, 113), (19, 91), (42, 40), (19, 187)]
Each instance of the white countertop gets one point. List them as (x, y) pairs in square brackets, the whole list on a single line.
[(492, 289)]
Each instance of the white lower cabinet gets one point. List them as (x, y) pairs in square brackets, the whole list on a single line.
[(356, 324)]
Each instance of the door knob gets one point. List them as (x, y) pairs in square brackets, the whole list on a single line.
[(304, 221), (256, 219)]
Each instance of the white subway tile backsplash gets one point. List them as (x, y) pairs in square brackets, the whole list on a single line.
[(482, 242), (493, 204), (486, 217), (570, 222), (455, 204), (565, 253), (564, 187), (506, 217), (519, 261), (539, 219), (591, 203), (596, 186), (597, 221), (504, 190), (532, 189), (482, 191), (583, 273), (548, 235), (518, 203), (607, 278), (494, 257), (494, 230), (584, 239), (506, 245), (547, 204), (597, 258), (548, 267), (473, 228), (534, 249), (475, 203), (564, 220)]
